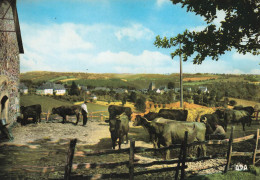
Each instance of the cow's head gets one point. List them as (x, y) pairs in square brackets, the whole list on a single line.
[(22, 108), (139, 121), (54, 111), (114, 125), (204, 120)]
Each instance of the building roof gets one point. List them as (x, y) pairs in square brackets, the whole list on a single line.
[(8, 5), (49, 85)]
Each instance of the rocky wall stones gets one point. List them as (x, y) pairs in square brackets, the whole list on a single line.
[(9, 61)]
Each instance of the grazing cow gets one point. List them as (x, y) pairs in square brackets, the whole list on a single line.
[(248, 109), (175, 114), (118, 110), (166, 132), (33, 111), (119, 128), (63, 111), (236, 116)]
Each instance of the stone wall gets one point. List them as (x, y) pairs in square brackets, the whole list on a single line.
[(9, 63)]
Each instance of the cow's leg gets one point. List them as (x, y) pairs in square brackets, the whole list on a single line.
[(77, 116), (113, 144), (167, 152), (64, 119), (243, 124), (120, 141), (126, 136), (39, 116)]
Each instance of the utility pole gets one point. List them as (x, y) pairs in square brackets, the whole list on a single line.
[(181, 87)]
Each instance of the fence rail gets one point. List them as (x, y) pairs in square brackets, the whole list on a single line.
[(132, 163)]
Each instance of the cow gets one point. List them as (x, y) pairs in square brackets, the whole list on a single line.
[(175, 114), (238, 116), (166, 132), (33, 111), (63, 111), (118, 110), (248, 109), (119, 128)]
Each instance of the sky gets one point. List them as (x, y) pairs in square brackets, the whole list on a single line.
[(114, 36)]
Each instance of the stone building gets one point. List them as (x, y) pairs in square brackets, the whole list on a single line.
[(10, 48)]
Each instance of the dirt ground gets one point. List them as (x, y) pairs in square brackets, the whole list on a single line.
[(94, 136)]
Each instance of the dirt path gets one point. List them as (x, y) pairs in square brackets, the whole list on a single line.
[(90, 134)]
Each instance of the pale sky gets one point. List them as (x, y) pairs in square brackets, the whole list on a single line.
[(113, 36)]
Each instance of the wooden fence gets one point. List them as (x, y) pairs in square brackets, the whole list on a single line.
[(132, 163)]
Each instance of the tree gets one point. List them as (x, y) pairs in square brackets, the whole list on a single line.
[(240, 30), (140, 104), (74, 89), (133, 96), (171, 85)]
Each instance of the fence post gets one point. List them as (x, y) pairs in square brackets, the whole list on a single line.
[(101, 117), (184, 155), (48, 114), (131, 160), (70, 159), (229, 153), (256, 145), (181, 156)]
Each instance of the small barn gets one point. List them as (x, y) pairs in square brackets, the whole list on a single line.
[(10, 47)]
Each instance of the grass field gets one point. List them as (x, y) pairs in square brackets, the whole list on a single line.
[(48, 103)]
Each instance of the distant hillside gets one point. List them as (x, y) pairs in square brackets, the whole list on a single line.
[(132, 80)]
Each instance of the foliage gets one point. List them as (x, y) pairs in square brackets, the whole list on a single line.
[(74, 89), (171, 85), (240, 30), (133, 97), (140, 104), (232, 102)]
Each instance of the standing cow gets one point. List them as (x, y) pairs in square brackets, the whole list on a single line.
[(63, 111), (166, 132), (118, 110), (33, 111), (238, 116), (174, 114), (119, 128)]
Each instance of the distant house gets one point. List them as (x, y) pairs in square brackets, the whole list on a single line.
[(85, 89), (59, 89), (49, 88), (23, 89), (93, 97), (203, 89), (158, 91), (101, 89), (121, 90)]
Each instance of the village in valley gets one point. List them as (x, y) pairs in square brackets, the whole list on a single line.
[(113, 124)]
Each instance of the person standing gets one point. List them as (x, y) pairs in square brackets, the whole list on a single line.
[(84, 111)]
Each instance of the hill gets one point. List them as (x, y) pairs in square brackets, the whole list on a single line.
[(137, 81)]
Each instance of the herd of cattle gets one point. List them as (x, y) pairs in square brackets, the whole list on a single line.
[(166, 127)]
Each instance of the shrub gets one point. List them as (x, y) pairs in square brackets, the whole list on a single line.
[(232, 102)]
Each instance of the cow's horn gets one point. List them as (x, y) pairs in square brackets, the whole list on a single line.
[(205, 120)]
